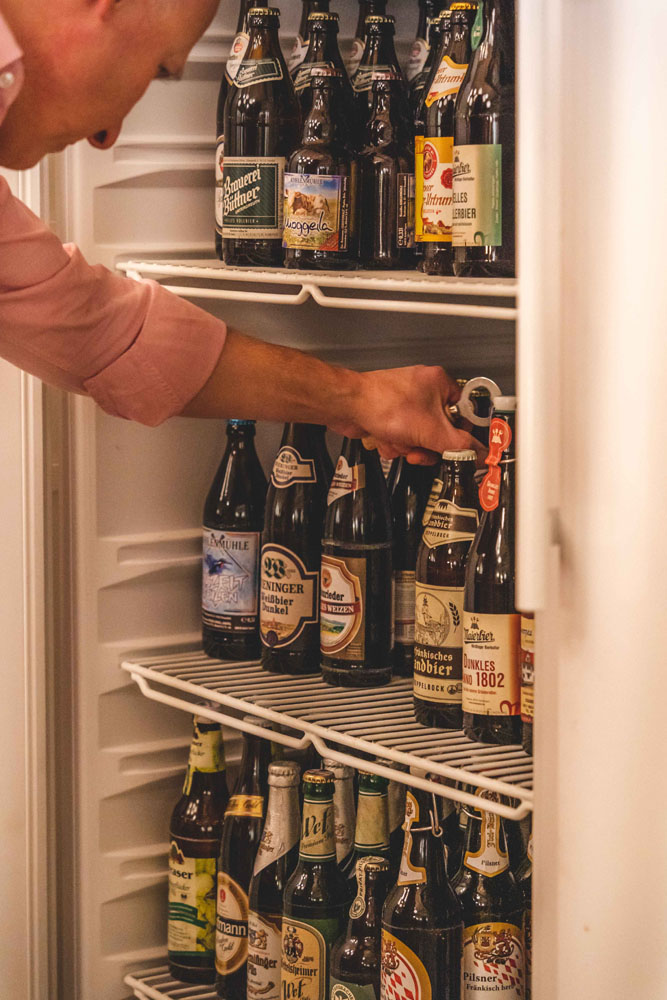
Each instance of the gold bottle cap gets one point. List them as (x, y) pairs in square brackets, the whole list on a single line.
[(318, 777), (380, 19), (321, 15)]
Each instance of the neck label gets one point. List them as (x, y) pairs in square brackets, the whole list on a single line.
[(290, 467), (281, 830), (236, 56), (417, 59), (446, 81), (490, 859), (207, 754), (298, 53), (254, 71), (346, 479), (408, 874), (372, 833), (317, 836), (250, 806)]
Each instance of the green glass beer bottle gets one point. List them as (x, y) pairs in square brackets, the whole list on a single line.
[(371, 832), (316, 899)]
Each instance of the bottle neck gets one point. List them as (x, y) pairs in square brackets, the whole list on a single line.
[(486, 848), (323, 46), (371, 834), (380, 50), (281, 829), (423, 858), (311, 7), (263, 43), (318, 844), (321, 126), (254, 764), (206, 762), (383, 126), (498, 38), (366, 9), (366, 910), (461, 484)]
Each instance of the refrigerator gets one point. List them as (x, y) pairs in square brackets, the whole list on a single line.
[(101, 522)]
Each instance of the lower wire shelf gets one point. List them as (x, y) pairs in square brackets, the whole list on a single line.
[(354, 727), (159, 984)]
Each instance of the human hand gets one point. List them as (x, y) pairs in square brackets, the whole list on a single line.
[(403, 411)]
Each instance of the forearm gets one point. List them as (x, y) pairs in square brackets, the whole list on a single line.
[(266, 382)]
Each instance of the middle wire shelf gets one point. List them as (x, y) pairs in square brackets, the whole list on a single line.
[(352, 726)]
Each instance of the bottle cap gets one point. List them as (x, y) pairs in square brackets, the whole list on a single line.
[(318, 777), (367, 776), (506, 404), (377, 20), (341, 772), (241, 423), (257, 14), (284, 774), (467, 455), (320, 15)]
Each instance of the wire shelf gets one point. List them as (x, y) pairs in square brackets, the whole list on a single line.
[(351, 726), (159, 984), (375, 291)]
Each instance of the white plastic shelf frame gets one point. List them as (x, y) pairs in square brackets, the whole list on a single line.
[(158, 984), (376, 291), (354, 727)]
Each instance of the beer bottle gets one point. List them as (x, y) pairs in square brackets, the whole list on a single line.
[(419, 82), (408, 502), (356, 602), (344, 812), (420, 48), (436, 208), (275, 861), (298, 53), (321, 227), (316, 898), (289, 614), (440, 579), (371, 832), (421, 920), (233, 522), (524, 880), (387, 180), (355, 959), (527, 662), (323, 53), (379, 61), (241, 832), (493, 956), (491, 680), (483, 226), (219, 163), (240, 42), (419, 110), (396, 808), (354, 56), (261, 127), (194, 834), (452, 835)]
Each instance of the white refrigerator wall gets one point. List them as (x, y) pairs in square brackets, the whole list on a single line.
[(137, 497)]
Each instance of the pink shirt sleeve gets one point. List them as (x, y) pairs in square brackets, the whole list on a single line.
[(139, 351)]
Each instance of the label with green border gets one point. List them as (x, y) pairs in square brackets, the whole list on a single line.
[(477, 216)]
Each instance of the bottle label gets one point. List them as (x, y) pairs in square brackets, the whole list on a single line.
[(408, 874), (404, 607), (207, 754), (438, 673), (305, 957), (434, 496), (417, 58), (298, 53), (342, 607), (306, 73), (493, 961), (289, 596), (351, 991), (317, 835), (317, 213), (449, 523), (230, 578), (236, 55), (527, 659), (290, 468), (219, 164), (250, 806), (366, 75), (477, 30), (491, 859), (231, 938), (491, 679), (477, 219), (252, 196), (403, 974), (254, 71), (419, 190), (354, 56), (264, 953), (346, 479), (191, 928), (280, 834), (371, 833), (405, 211), (436, 206), (446, 81)]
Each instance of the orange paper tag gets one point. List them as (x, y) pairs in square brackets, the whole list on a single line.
[(500, 437)]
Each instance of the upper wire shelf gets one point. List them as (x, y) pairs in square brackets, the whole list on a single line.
[(354, 727), (372, 291)]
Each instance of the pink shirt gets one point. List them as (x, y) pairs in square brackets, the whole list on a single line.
[(139, 351)]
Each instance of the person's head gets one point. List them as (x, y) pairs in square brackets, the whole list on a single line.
[(87, 63)]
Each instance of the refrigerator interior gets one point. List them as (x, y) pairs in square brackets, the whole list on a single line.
[(131, 578)]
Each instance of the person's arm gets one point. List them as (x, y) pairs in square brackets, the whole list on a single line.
[(403, 408)]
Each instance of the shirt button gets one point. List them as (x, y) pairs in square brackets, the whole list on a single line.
[(7, 80)]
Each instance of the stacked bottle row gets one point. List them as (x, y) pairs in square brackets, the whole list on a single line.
[(362, 578), (332, 164), (279, 891)]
